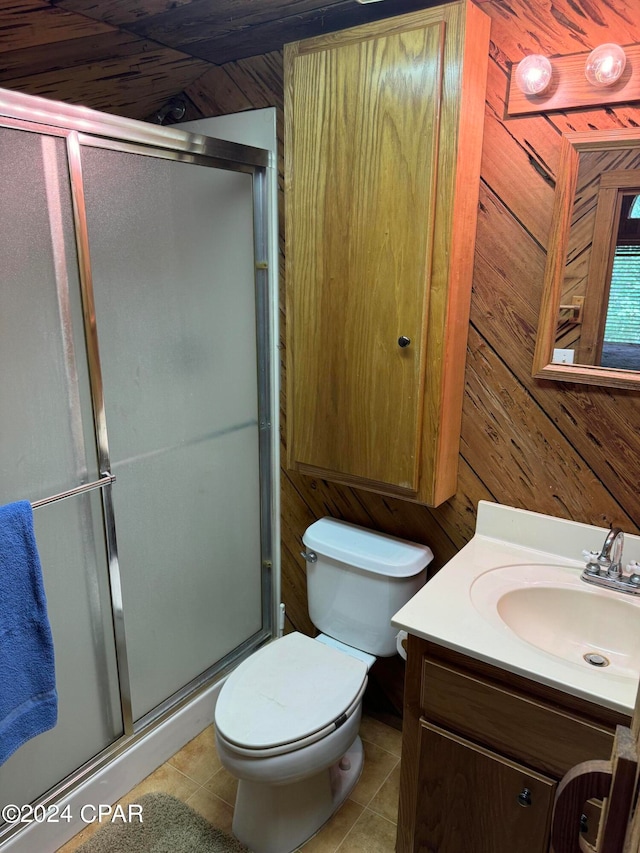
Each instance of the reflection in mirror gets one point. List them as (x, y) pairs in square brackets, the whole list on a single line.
[(621, 338), (595, 307), (590, 320)]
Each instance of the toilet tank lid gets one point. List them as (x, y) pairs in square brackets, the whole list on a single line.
[(367, 549)]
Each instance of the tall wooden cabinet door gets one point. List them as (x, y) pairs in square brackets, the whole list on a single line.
[(383, 144), (362, 144), (470, 799)]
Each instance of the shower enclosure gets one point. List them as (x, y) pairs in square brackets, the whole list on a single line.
[(138, 388)]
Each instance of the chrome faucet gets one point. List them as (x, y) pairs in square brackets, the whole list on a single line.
[(605, 568), (611, 554)]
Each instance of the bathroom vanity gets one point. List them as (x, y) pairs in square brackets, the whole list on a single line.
[(493, 721), (483, 751)]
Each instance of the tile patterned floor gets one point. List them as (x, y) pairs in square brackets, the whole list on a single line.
[(366, 823)]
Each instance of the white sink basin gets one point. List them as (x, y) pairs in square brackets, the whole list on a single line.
[(550, 608), (512, 597)]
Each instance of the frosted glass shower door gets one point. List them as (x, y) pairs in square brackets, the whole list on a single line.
[(47, 447), (172, 254)]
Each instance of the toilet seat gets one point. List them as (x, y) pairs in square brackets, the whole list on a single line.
[(290, 693)]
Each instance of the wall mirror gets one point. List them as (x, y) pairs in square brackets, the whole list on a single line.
[(589, 328)]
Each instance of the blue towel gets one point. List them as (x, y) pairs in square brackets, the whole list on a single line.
[(28, 697)]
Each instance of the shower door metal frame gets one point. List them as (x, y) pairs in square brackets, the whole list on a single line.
[(85, 127)]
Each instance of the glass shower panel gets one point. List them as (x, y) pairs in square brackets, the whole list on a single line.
[(47, 447), (174, 285), (69, 535), (44, 387)]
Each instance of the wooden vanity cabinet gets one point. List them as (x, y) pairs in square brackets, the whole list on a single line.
[(477, 800), (482, 753), (383, 138)]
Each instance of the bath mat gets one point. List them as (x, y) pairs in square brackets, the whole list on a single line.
[(168, 826)]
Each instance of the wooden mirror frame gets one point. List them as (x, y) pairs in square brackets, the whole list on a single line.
[(543, 366)]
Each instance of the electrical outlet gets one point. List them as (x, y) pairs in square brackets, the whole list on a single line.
[(563, 356)]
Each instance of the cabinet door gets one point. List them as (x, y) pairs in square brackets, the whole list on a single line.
[(362, 122), (471, 799)]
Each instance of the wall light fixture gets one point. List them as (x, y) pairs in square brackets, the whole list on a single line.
[(533, 74), (609, 74), (605, 64)]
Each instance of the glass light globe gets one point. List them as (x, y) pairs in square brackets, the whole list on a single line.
[(605, 65), (533, 74)]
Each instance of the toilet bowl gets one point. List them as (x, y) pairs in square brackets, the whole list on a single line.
[(287, 724), (287, 718)]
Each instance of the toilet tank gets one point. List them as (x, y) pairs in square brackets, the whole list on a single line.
[(357, 579)]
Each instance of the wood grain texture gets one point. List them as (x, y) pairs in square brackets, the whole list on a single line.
[(497, 717), (585, 463), (460, 813), (381, 211), (622, 794), (615, 781), (235, 30), (594, 168), (579, 443), (32, 23), (59, 54), (363, 150), (464, 716), (585, 780), (569, 87)]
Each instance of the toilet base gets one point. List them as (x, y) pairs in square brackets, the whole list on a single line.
[(279, 818)]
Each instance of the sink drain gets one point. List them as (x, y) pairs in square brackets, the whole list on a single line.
[(595, 659)]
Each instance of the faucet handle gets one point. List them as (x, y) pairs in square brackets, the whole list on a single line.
[(593, 562), (633, 567)]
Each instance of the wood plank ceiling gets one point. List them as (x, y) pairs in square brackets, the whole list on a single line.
[(220, 31), (130, 57)]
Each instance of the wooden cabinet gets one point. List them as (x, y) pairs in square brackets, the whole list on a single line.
[(382, 161), (482, 753), (460, 813)]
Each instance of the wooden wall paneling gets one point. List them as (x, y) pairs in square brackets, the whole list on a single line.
[(294, 592), (508, 282), (602, 425), (570, 89), (520, 27), (531, 153), (549, 447), (520, 451), (215, 93), (457, 516), (538, 139), (398, 518), (507, 290), (612, 118), (249, 84)]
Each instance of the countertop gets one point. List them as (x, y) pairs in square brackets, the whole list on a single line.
[(443, 610)]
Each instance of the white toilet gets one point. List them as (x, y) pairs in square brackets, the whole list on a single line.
[(287, 718)]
